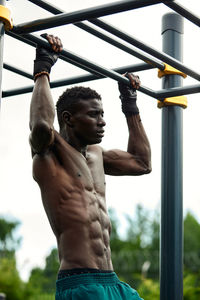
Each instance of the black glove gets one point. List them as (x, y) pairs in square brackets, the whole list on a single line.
[(128, 96), (45, 59)]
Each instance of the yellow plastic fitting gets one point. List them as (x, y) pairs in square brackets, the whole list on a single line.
[(5, 17), (178, 100), (169, 70)]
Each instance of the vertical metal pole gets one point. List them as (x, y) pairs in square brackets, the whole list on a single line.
[(171, 257), (2, 2)]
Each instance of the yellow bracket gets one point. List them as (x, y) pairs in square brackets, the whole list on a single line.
[(5, 17), (168, 70), (178, 100)]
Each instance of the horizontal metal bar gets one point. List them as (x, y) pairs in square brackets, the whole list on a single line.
[(160, 55), (77, 79), (49, 7), (180, 9), (178, 91), (17, 71), (85, 64), (81, 15), (135, 53), (32, 41), (143, 56), (160, 94)]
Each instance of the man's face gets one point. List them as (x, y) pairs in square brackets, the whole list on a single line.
[(88, 122)]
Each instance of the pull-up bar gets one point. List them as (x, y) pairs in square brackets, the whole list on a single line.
[(99, 71), (66, 18), (150, 60), (17, 71), (74, 79), (149, 49), (80, 61), (84, 14)]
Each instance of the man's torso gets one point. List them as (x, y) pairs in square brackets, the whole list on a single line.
[(73, 195)]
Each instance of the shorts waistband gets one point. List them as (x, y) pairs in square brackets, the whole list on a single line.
[(86, 279), (77, 271)]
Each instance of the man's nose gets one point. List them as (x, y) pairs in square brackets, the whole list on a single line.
[(101, 121)]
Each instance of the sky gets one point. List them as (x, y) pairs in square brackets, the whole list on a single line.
[(19, 194)]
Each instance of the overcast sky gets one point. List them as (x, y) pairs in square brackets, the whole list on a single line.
[(19, 194)]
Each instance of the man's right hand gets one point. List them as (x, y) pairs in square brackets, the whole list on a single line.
[(46, 58), (128, 94)]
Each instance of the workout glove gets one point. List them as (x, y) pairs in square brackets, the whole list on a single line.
[(45, 59), (128, 96)]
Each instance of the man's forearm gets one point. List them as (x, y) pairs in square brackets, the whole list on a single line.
[(138, 143)]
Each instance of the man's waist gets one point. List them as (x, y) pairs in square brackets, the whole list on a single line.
[(77, 271)]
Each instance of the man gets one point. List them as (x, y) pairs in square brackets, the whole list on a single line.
[(70, 169)]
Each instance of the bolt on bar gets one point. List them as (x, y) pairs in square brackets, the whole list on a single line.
[(160, 55), (77, 79), (150, 60), (17, 71), (84, 14), (183, 11)]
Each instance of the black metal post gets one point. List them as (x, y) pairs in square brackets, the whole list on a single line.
[(171, 257), (2, 31)]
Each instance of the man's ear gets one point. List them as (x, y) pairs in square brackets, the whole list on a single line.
[(67, 116)]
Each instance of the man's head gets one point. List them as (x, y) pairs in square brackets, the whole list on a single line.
[(80, 115), (70, 98)]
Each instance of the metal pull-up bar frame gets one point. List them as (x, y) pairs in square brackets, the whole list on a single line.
[(100, 71), (171, 196)]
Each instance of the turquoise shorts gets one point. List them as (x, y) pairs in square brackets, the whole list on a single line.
[(94, 286)]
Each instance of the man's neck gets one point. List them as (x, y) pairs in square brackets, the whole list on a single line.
[(75, 143)]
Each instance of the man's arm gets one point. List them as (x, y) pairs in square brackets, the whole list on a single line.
[(137, 159), (42, 110)]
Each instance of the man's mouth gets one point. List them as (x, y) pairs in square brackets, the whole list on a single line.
[(100, 133)]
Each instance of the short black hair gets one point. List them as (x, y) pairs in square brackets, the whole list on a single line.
[(70, 97)]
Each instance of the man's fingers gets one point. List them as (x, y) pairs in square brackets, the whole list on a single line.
[(54, 41), (135, 80)]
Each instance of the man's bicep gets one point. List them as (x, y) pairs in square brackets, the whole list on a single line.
[(118, 162)]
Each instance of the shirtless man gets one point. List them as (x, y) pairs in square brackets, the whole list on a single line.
[(70, 169)]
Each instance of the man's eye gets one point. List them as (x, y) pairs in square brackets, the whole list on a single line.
[(93, 114)]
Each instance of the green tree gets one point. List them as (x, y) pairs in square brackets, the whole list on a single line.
[(10, 281), (42, 281), (137, 254), (191, 243), (8, 243)]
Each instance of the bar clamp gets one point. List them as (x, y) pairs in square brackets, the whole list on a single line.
[(178, 100), (5, 17)]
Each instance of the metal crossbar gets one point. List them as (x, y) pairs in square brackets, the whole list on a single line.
[(81, 15)]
